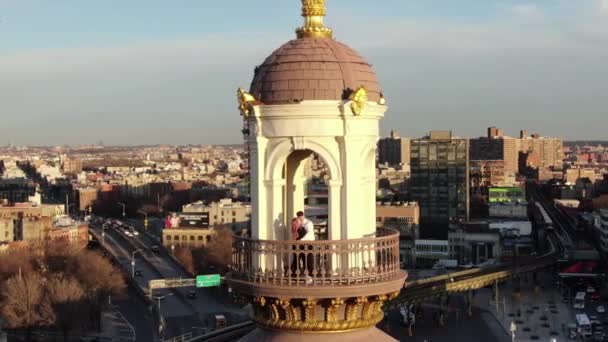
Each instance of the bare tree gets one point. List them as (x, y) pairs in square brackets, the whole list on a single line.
[(58, 254), (217, 255), (67, 298), (24, 303), (99, 279), (184, 256), (15, 263)]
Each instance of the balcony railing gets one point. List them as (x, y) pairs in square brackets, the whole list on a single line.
[(317, 263)]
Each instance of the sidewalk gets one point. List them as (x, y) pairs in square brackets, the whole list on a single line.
[(115, 326), (537, 315)]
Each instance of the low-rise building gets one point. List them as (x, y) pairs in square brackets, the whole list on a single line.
[(508, 210), (225, 212), (474, 245), (427, 252), (404, 217), (186, 237)]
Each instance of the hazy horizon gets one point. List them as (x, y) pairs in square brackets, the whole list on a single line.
[(151, 72)]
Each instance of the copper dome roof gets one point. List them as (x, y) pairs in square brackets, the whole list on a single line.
[(313, 69)]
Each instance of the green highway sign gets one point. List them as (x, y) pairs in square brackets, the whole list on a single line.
[(208, 280)]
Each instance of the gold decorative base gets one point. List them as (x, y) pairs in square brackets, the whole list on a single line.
[(319, 316)]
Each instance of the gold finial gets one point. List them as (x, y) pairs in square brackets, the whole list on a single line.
[(313, 12), (359, 99)]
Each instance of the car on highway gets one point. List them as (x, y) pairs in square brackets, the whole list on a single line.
[(192, 294), (128, 233), (600, 309), (135, 232), (138, 272), (155, 249), (590, 289)]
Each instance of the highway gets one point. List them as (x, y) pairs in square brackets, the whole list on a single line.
[(180, 314)]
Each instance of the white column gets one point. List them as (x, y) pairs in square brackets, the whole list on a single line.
[(295, 183), (334, 224), (258, 190), (275, 209), (353, 196)]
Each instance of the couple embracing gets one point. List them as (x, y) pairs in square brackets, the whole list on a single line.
[(302, 229)]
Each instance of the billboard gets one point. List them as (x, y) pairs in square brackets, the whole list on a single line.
[(506, 194), (194, 220)]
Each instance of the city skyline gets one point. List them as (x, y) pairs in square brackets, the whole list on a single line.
[(147, 73)]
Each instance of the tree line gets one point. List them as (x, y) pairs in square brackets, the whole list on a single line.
[(56, 286)]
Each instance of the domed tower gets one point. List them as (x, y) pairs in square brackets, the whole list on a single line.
[(314, 95)]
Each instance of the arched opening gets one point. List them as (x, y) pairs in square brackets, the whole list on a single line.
[(306, 176)]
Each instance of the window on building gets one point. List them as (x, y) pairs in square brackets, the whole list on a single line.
[(185, 238), (234, 213), (191, 237), (168, 237), (222, 220), (233, 220), (176, 237), (200, 238), (208, 238)]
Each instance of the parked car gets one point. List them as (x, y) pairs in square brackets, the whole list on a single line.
[(138, 273), (192, 294), (155, 249), (600, 309)]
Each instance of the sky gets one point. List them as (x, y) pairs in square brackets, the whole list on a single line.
[(151, 71)]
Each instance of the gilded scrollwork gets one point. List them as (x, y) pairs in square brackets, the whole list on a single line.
[(301, 315), (331, 310), (309, 308), (246, 102), (358, 100), (353, 308)]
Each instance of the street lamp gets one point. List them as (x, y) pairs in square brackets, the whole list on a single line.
[(514, 329), (123, 209), (67, 208), (133, 262), (145, 218), (158, 299)]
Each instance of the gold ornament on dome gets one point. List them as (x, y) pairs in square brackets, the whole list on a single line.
[(313, 12), (313, 8), (359, 100), (245, 101)]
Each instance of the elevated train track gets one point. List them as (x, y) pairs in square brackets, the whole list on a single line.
[(436, 287)]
